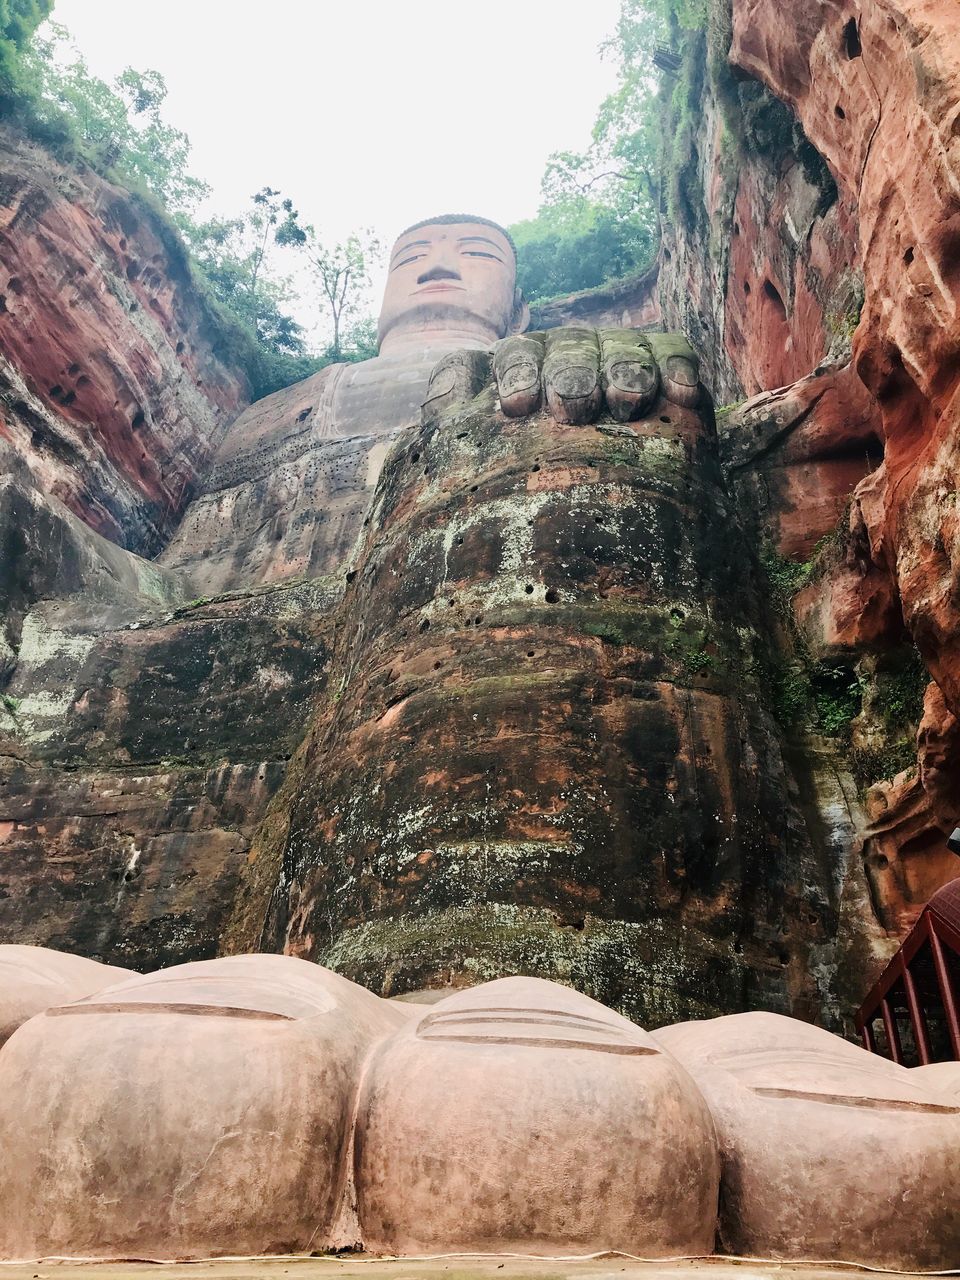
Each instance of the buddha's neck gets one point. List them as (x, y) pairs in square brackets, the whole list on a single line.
[(405, 341)]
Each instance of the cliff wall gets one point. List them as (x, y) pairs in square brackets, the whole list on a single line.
[(121, 827), (115, 381), (814, 248)]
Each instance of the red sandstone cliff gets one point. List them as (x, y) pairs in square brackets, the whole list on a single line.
[(878, 91), (877, 88), (767, 277), (114, 389)]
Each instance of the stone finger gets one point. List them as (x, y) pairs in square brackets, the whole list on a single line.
[(628, 373), (517, 366), (679, 368), (571, 375), (456, 379)]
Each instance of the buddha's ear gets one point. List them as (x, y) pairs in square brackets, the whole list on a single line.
[(521, 312)]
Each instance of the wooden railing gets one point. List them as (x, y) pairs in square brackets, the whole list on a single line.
[(917, 993)]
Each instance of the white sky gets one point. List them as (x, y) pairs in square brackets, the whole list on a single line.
[(369, 113)]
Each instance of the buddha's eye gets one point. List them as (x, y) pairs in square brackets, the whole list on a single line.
[(406, 261), (478, 253)]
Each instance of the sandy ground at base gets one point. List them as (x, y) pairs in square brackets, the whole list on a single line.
[(359, 1267)]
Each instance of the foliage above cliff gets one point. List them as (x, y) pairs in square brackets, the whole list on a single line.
[(577, 244), (600, 214), (18, 21), (120, 131), (603, 207), (116, 128)]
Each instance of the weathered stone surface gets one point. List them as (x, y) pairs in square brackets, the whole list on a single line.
[(944, 1077), (113, 390), (765, 270), (286, 496), (85, 565), (765, 278), (466, 1137), (139, 752), (796, 454), (258, 1104), (794, 276), (543, 748), (201, 1111), (33, 979), (139, 867), (909, 819), (802, 1119), (191, 712), (759, 263), (877, 91)]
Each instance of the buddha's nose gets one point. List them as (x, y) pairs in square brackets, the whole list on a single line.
[(438, 273)]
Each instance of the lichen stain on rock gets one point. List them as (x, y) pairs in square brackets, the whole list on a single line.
[(169, 738)]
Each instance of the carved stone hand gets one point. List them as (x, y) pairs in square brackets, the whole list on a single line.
[(577, 374)]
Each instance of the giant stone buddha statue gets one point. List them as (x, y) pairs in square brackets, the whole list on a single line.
[(538, 760), (293, 477)]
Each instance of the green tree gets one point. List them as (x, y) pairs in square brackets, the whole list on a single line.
[(359, 341), (119, 127), (273, 220), (343, 274), (575, 243), (18, 21), (600, 213), (235, 256)]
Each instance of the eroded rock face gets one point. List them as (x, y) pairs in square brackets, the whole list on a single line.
[(543, 748), (142, 745), (909, 819), (759, 263), (845, 192), (876, 89), (112, 389), (289, 490), (631, 303), (795, 455)]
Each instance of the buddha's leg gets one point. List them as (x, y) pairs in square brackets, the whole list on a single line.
[(545, 747)]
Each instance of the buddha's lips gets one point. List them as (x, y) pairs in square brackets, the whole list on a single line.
[(441, 288)]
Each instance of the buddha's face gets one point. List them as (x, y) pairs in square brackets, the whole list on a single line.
[(458, 276)]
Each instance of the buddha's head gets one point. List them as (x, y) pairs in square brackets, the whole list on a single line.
[(451, 278)]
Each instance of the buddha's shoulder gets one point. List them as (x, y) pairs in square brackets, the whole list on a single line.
[(282, 414)]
